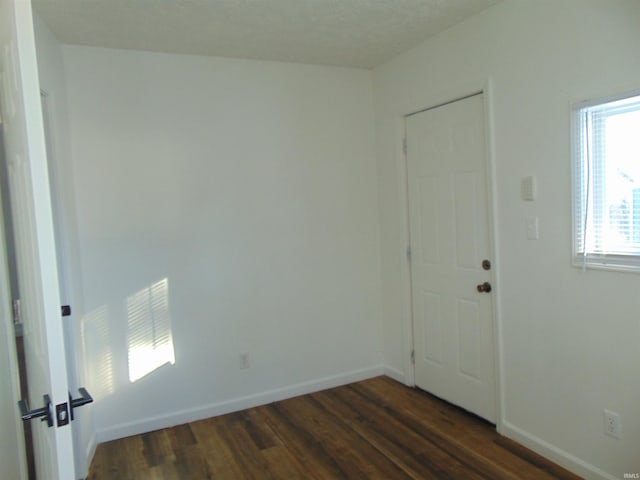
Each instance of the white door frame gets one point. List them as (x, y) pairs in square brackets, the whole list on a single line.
[(25, 147), (60, 224), (407, 314), (13, 451)]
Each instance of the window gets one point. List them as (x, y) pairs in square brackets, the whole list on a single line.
[(607, 183)]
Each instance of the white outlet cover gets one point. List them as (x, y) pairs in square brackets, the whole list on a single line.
[(245, 361), (612, 425)]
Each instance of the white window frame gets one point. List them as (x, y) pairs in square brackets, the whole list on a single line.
[(580, 193)]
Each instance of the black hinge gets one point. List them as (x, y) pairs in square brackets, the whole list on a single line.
[(413, 357), (66, 310)]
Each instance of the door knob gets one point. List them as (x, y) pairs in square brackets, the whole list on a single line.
[(44, 412), (484, 287), (80, 401)]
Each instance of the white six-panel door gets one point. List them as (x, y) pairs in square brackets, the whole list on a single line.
[(450, 239), (34, 236)]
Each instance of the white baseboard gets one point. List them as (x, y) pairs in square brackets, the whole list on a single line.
[(555, 454), (210, 410), (395, 374), (90, 451)]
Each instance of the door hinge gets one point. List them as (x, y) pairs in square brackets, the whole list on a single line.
[(413, 357), (404, 146), (408, 253)]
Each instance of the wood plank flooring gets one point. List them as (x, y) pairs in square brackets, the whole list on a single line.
[(375, 429)]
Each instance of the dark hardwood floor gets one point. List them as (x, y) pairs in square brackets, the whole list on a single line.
[(375, 429)]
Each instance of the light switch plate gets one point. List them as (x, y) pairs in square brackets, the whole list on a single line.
[(533, 228), (529, 190)]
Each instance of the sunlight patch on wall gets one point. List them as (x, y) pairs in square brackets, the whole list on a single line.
[(150, 337), (96, 340)]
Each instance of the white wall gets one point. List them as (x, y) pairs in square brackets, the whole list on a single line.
[(52, 83), (251, 187), (569, 338)]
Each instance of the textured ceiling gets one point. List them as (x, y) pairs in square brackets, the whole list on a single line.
[(357, 33)]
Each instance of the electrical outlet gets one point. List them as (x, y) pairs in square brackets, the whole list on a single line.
[(244, 360), (612, 426)]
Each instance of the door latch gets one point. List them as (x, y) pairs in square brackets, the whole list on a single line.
[(62, 414)]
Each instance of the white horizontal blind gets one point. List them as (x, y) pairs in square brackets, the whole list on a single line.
[(607, 183)]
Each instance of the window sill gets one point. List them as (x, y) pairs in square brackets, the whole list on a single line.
[(616, 263)]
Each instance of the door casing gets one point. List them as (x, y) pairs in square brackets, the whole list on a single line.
[(484, 88), (37, 269)]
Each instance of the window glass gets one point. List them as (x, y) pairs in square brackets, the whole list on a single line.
[(607, 184)]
